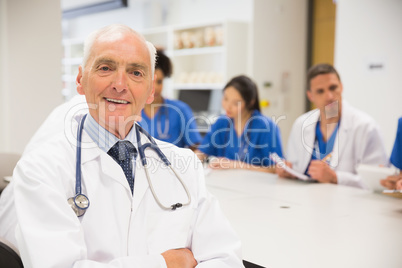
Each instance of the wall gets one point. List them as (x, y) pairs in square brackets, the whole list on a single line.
[(30, 53), (279, 58), (369, 32), (144, 14), (3, 80)]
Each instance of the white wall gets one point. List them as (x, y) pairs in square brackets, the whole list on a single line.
[(370, 32), (145, 14), (30, 74), (279, 57)]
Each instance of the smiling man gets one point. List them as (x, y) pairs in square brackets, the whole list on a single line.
[(89, 203), (329, 142)]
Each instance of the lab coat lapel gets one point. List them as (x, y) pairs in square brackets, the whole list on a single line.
[(91, 152), (340, 141), (140, 182), (308, 136)]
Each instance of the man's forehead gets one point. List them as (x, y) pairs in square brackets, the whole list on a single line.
[(103, 52)]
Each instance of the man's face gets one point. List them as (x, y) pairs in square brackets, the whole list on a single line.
[(326, 93), (117, 81)]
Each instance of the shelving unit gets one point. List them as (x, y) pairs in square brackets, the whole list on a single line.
[(205, 56), (72, 58)]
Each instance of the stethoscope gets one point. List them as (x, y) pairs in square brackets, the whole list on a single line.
[(163, 135), (80, 202), (328, 155), (243, 149)]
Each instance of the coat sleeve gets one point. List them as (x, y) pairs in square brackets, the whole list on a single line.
[(214, 242), (49, 234), (369, 150)]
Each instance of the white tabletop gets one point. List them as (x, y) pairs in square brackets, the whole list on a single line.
[(286, 223)]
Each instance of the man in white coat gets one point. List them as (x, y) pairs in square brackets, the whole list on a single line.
[(328, 143), (124, 226)]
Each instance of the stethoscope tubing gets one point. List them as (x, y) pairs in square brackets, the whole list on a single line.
[(80, 209), (78, 157), (153, 146)]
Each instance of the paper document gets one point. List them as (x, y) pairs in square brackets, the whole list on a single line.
[(281, 162), (393, 193)]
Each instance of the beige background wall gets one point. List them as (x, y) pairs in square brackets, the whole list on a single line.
[(30, 53)]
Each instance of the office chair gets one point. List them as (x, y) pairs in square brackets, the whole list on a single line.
[(251, 265), (9, 255)]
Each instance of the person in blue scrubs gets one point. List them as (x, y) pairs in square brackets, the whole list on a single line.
[(169, 120), (395, 182), (243, 137)]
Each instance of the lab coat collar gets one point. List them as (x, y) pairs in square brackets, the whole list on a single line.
[(111, 168), (342, 134), (308, 134)]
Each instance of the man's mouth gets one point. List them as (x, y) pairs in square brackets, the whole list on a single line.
[(117, 101)]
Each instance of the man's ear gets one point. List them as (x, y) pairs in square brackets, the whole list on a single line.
[(78, 82), (310, 96), (150, 98)]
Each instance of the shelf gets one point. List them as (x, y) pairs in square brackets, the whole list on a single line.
[(198, 51), (214, 86)]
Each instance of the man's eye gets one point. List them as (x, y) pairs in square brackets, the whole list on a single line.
[(104, 68), (137, 73)]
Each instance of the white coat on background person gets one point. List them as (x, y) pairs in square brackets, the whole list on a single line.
[(329, 142), (119, 229), (358, 141)]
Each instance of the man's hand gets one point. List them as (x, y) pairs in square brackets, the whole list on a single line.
[(283, 173), (392, 182), (321, 172), (179, 258), (399, 185)]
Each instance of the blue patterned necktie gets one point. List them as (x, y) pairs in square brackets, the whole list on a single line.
[(123, 152)]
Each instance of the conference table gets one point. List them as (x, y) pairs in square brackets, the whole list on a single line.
[(286, 223)]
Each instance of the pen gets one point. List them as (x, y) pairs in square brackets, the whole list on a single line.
[(327, 158)]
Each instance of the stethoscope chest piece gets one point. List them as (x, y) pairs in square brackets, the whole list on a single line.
[(79, 203)]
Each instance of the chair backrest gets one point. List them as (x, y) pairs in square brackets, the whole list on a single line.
[(9, 255), (7, 163)]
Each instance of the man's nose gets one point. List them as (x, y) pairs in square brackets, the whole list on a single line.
[(120, 81), (330, 95)]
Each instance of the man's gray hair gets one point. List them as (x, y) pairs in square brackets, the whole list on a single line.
[(112, 29)]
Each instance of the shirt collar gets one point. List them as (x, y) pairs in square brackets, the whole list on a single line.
[(103, 138)]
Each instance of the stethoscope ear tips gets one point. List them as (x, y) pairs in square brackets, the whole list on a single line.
[(177, 205)]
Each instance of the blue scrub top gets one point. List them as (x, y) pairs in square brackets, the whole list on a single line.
[(323, 148), (396, 155), (174, 122), (260, 137)]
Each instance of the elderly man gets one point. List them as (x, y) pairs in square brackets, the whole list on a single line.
[(329, 142), (92, 202)]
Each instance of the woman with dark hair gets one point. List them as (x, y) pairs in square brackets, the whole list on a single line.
[(243, 137), (169, 120)]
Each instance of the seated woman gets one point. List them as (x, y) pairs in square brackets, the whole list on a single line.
[(243, 138), (395, 182), (169, 120)]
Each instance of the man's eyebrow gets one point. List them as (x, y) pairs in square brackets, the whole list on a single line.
[(138, 66), (103, 61)]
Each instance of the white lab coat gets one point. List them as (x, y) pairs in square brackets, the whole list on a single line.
[(119, 229), (358, 141)]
